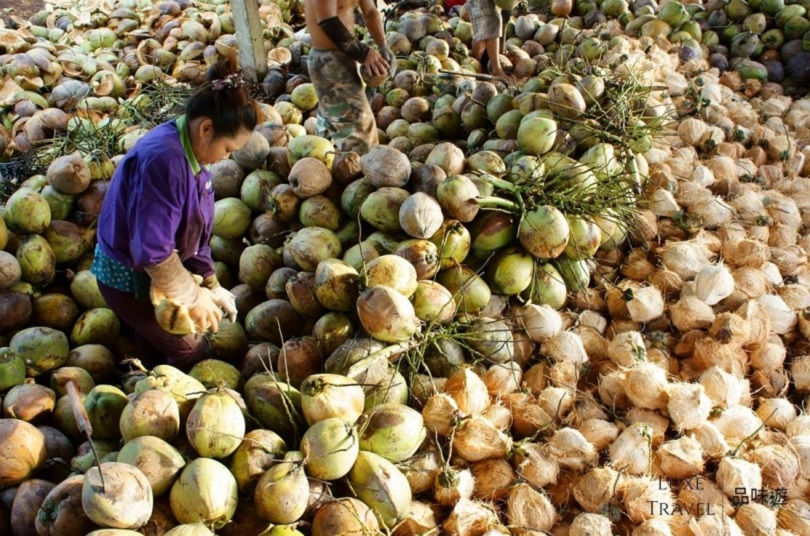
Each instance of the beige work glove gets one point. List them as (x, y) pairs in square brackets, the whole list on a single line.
[(224, 298), (171, 279)]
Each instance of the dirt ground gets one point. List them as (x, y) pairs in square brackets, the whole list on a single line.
[(23, 9)]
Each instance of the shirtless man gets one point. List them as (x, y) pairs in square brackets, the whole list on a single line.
[(344, 113)]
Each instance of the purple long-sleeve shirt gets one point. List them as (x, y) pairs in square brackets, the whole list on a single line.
[(159, 200)]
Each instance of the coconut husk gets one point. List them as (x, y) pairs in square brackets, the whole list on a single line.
[(756, 519), (503, 378), (770, 356), (569, 448), (711, 353), (700, 495), (527, 416), (799, 426), (597, 488), (450, 486), (600, 433), (529, 510), (493, 479), (499, 415), (470, 518), (440, 414), (730, 328), (565, 346), (632, 450), (686, 345), (723, 389), (666, 281), (779, 412), (563, 375), (478, 439), (800, 371), (654, 527), (534, 464), (794, 516), (586, 407), (737, 423), (556, 401), (627, 349), (691, 313), (778, 464), (424, 386), (735, 474), (645, 498), (536, 378), (637, 266), (647, 386), (688, 406), (658, 424), (612, 390), (712, 442), (590, 525), (681, 458), (421, 519), (421, 469), (469, 392)]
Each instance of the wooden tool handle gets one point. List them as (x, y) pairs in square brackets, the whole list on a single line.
[(79, 413)]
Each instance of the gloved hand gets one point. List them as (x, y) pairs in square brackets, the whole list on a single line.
[(226, 301), (206, 313), (389, 56)]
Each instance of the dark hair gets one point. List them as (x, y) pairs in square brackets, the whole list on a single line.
[(228, 104)]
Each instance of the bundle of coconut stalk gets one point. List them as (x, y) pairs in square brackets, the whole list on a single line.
[(576, 305)]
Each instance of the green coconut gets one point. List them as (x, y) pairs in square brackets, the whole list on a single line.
[(491, 340), (311, 245), (37, 260), (229, 343), (453, 242), (96, 326), (354, 195), (260, 450), (216, 425), (184, 389), (157, 460), (392, 388), (57, 311), (537, 136), (575, 273), (67, 240), (492, 231), (544, 232), (469, 290), (381, 208), (391, 271), (123, 500), (393, 431), (61, 205), (27, 212), (584, 238), (256, 186), (84, 289), (256, 263), (12, 369), (194, 529), (433, 303), (331, 330), (41, 349), (213, 373), (325, 396), (382, 487), (362, 253), (386, 314), (205, 492), (320, 211), (104, 405), (311, 146), (336, 285), (511, 272), (231, 218), (96, 359), (275, 404), (457, 196), (330, 448), (282, 493), (151, 413)]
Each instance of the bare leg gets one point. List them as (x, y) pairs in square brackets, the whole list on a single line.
[(477, 49), (493, 46)]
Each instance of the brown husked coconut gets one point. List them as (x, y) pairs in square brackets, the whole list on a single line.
[(735, 475), (470, 518), (69, 174), (565, 346), (421, 519), (769, 357), (441, 414), (738, 423), (654, 527), (711, 440), (309, 176), (29, 497), (534, 464), (700, 495), (794, 516), (597, 488), (556, 401), (626, 349), (469, 391), (688, 405), (571, 450), (563, 375), (535, 379), (590, 525), (800, 371), (776, 413), (681, 458), (451, 486), (499, 415), (477, 439), (646, 497), (657, 423), (647, 386), (421, 469), (493, 479), (385, 166), (756, 518), (503, 378), (529, 509), (61, 514), (709, 352), (779, 465), (29, 402), (715, 525), (22, 451), (632, 450), (599, 432), (691, 313), (344, 516), (730, 328), (527, 415), (723, 389)]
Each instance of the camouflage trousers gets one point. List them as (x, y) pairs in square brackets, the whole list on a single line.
[(344, 113)]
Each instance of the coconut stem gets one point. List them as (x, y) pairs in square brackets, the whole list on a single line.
[(497, 203)]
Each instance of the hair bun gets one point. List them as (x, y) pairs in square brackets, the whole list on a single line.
[(221, 70)]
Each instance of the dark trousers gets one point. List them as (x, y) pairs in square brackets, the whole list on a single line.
[(155, 345)]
